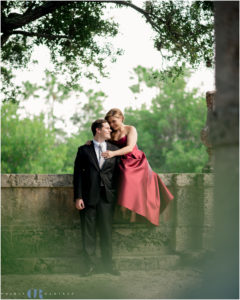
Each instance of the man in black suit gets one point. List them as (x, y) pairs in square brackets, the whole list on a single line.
[(95, 191)]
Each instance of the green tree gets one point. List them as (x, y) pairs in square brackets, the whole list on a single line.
[(27, 145), (169, 132), (71, 31), (67, 28), (71, 145), (53, 91), (89, 111), (83, 118)]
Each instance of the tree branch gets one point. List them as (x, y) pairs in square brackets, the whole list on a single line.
[(125, 3), (18, 20), (4, 38), (45, 35), (138, 9), (15, 21), (148, 17), (31, 5)]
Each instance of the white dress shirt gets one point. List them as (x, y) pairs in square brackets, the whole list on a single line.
[(96, 147)]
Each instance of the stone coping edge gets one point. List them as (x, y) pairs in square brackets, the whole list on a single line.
[(66, 180)]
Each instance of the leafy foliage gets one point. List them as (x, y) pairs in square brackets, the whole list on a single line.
[(53, 91), (185, 30), (169, 132), (90, 111), (83, 118), (77, 23), (76, 34), (27, 146)]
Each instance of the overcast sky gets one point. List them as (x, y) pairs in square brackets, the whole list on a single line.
[(135, 38)]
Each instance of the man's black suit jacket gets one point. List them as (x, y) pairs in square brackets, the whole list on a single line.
[(88, 176)]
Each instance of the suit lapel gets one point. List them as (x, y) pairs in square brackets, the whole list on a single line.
[(108, 146), (107, 161), (93, 156)]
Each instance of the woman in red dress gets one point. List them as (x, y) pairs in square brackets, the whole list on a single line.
[(141, 190)]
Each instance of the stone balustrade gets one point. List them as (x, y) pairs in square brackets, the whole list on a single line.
[(41, 227)]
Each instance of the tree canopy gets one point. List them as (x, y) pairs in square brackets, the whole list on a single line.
[(168, 130), (72, 31), (27, 145)]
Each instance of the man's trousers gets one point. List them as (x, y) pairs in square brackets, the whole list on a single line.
[(97, 217)]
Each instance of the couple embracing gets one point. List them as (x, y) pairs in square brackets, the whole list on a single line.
[(112, 169)]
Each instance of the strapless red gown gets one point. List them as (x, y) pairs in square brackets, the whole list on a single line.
[(141, 190)]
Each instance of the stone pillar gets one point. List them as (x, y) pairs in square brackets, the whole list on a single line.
[(205, 135), (189, 216), (208, 230), (221, 277)]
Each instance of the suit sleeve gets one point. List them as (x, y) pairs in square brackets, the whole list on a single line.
[(77, 175)]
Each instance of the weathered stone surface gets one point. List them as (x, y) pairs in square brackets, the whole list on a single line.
[(66, 180), (208, 206), (208, 234), (223, 272), (37, 180), (211, 106), (188, 238), (189, 206), (178, 283), (41, 228), (187, 179), (168, 179), (151, 262), (76, 264), (32, 206), (208, 180)]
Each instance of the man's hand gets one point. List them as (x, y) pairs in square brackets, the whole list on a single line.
[(79, 204)]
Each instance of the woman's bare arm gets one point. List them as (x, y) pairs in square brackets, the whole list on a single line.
[(131, 142)]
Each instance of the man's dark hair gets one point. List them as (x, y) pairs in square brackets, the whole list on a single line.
[(97, 124)]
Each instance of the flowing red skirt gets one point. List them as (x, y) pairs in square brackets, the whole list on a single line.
[(142, 190)]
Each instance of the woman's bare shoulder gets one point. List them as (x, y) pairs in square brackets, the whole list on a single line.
[(130, 128)]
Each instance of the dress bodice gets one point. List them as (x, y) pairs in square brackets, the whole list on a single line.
[(135, 153), (122, 142)]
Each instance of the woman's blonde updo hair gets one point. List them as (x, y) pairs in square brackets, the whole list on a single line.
[(114, 112)]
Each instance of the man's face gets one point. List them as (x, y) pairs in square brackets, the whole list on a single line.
[(105, 131)]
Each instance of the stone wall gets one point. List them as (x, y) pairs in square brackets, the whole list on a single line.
[(41, 227)]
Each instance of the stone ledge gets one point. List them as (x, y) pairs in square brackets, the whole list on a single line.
[(193, 179), (37, 180), (51, 265), (66, 180)]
